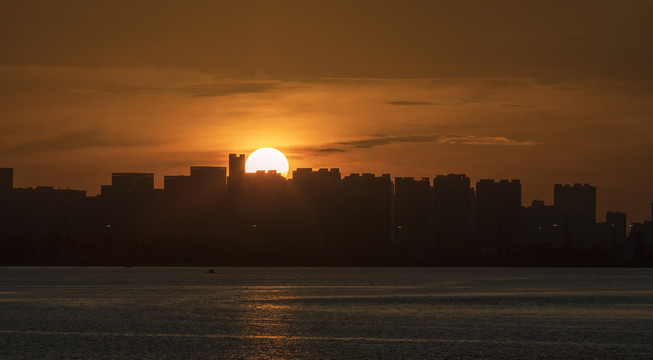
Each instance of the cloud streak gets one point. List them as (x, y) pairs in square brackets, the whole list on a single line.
[(225, 89), (411, 103), (330, 150), (197, 90), (78, 140), (381, 140)]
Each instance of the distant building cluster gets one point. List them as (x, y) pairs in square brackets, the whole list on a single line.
[(318, 217)]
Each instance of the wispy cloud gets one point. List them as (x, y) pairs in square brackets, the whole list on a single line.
[(77, 140), (484, 140), (330, 150), (517, 105), (225, 89), (411, 103), (196, 90), (380, 140)]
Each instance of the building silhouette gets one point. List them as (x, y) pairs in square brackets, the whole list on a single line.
[(177, 184), (236, 168), (641, 239), (258, 218), (204, 183), (316, 218), (542, 226), (578, 206), (195, 210), (209, 181), (498, 215), (617, 224), (610, 236), (129, 184), (6, 181), (412, 216), (453, 214), (366, 205), (45, 223)]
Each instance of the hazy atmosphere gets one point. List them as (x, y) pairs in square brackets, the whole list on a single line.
[(546, 92)]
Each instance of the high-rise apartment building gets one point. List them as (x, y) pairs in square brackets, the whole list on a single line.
[(132, 183), (578, 206), (498, 215), (453, 212), (412, 211), (209, 181)]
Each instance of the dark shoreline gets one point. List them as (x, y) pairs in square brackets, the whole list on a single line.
[(338, 265)]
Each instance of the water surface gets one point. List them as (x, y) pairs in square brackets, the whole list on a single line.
[(325, 313)]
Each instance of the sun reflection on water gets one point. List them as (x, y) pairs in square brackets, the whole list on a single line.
[(267, 323)]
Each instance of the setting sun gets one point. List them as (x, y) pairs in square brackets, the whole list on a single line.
[(267, 159)]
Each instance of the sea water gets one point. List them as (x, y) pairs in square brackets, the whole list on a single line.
[(325, 313)]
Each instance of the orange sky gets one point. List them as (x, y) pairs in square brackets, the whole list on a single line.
[(555, 92)]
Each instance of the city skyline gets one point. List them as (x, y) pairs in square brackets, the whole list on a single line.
[(159, 181), (296, 179), (225, 215)]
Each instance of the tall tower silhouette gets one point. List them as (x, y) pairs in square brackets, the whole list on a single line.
[(578, 206), (498, 215), (411, 211), (236, 167), (453, 212)]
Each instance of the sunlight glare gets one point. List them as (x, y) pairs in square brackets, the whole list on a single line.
[(267, 159)]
